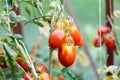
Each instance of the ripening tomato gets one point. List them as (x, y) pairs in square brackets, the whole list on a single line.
[(61, 77), (1, 52), (57, 38), (103, 31), (22, 63), (28, 77), (75, 34), (81, 41), (98, 41), (45, 76), (110, 42), (67, 54), (41, 68), (3, 63), (60, 25)]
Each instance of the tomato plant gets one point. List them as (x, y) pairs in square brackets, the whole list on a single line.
[(64, 36)]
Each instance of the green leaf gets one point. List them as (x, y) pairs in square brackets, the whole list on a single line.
[(27, 8), (19, 18), (12, 24), (10, 53), (2, 75), (39, 23), (10, 3), (55, 72), (12, 14), (68, 75)]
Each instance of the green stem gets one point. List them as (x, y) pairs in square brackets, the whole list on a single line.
[(50, 59), (23, 55), (13, 72), (2, 75)]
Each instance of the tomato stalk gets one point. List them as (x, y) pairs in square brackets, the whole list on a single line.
[(24, 56), (50, 60)]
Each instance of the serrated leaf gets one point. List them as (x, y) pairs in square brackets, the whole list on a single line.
[(109, 78), (82, 58), (68, 75)]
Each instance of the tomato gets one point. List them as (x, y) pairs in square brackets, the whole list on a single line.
[(60, 25), (81, 42), (41, 68), (57, 38), (28, 77), (1, 52), (98, 40), (75, 34), (67, 54), (103, 31), (61, 77), (3, 63), (22, 63), (110, 42), (45, 76)]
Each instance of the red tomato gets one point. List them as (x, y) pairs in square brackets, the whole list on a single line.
[(61, 77), (67, 54), (45, 76), (28, 77), (57, 38), (75, 34), (60, 25), (22, 63), (81, 42), (110, 42), (41, 68), (103, 31), (98, 40)]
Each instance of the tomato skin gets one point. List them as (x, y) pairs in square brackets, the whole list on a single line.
[(67, 54), (60, 25), (110, 42), (75, 34), (98, 40), (103, 31), (45, 76), (22, 63), (41, 68), (57, 38), (61, 77), (81, 42), (28, 77)]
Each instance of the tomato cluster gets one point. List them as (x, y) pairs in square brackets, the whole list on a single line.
[(105, 37), (64, 38)]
